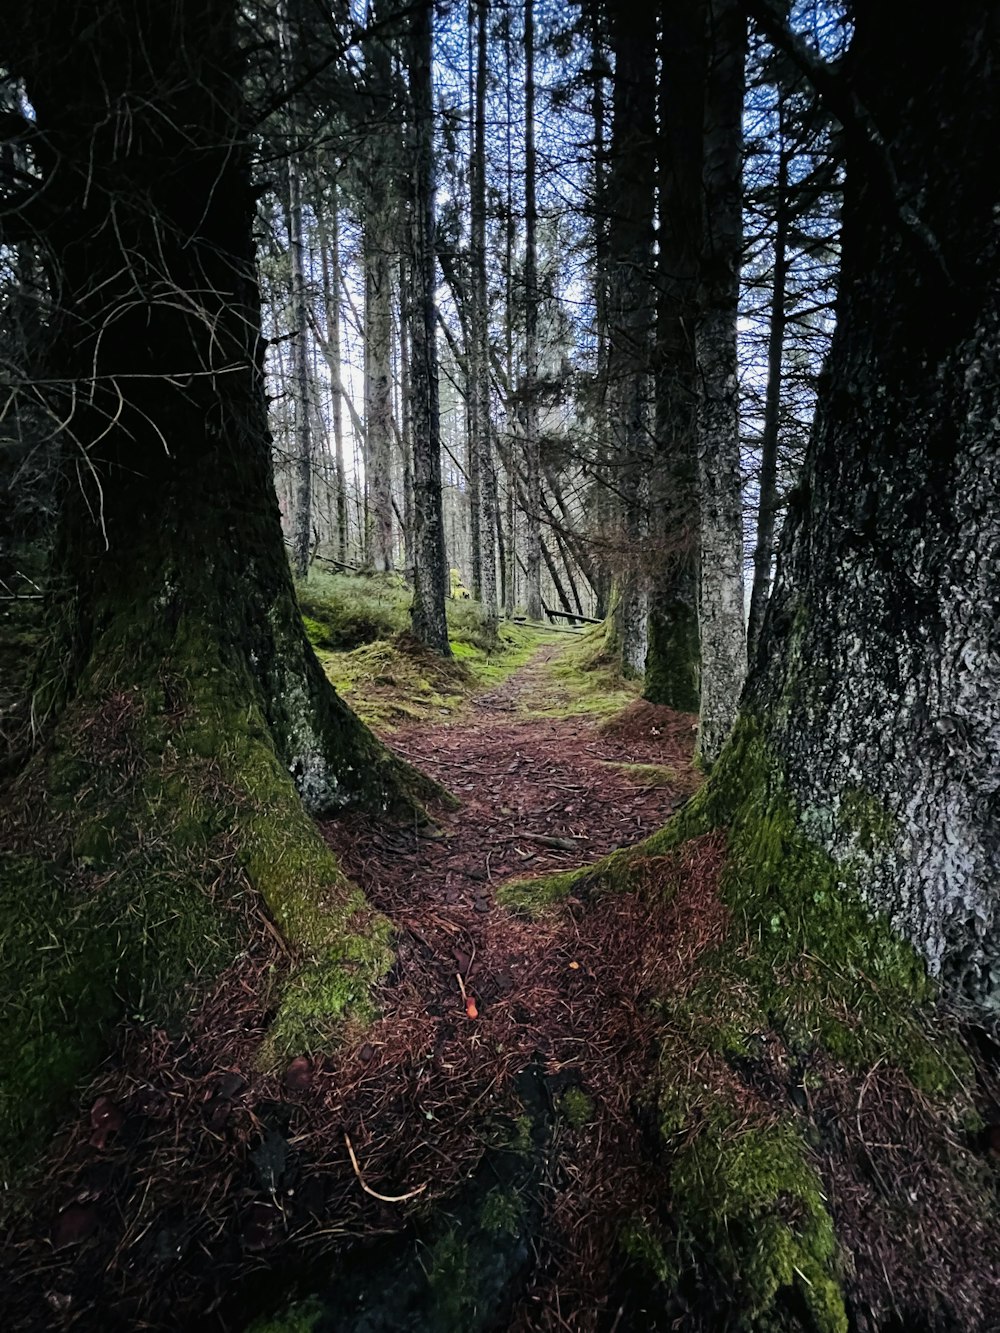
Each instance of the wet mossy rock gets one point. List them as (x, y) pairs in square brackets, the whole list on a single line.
[(807, 999)]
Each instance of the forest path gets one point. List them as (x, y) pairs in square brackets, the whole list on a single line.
[(198, 1187), (542, 788)]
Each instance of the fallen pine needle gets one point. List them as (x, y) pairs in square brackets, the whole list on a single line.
[(384, 1198)]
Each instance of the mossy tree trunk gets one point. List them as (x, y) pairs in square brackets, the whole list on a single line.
[(877, 680), (182, 702)]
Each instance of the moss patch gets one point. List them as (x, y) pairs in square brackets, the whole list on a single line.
[(396, 680), (576, 1107)]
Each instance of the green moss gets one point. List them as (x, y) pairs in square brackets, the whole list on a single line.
[(866, 820), (640, 1243), (747, 1195), (650, 775), (392, 681), (576, 1107), (301, 1317), (533, 896), (502, 1212), (321, 994), (453, 1286)]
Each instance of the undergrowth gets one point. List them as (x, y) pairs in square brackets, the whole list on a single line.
[(359, 626)]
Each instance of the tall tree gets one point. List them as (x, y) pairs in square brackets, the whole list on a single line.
[(673, 660), (880, 638), (302, 512), (532, 463), (183, 705), (427, 613), (479, 330), (763, 556), (380, 231), (630, 308), (723, 637)]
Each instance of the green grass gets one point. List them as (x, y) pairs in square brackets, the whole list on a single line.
[(359, 626), (583, 680)]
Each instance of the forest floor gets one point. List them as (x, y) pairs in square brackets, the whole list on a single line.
[(192, 1178)]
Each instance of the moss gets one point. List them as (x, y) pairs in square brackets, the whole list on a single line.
[(532, 897), (453, 1287), (502, 1212), (865, 819), (393, 681), (165, 813), (640, 1243), (321, 994), (650, 775), (748, 1196), (576, 1107)]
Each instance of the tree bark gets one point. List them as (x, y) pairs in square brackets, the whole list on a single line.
[(379, 240), (330, 253), (480, 332), (721, 618), (877, 686), (302, 516), (427, 614)]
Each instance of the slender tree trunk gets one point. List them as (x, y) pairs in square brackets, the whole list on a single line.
[(532, 469), (302, 521), (763, 555), (721, 617), (510, 239), (672, 663), (427, 613), (378, 379), (479, 350), (604, 505), (630, 271), (406, 397), (330, 252)]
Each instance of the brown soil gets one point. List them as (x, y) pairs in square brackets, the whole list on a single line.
[(188, 1174)]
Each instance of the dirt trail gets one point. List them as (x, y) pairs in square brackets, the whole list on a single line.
[(537, 793), (215, 1175)]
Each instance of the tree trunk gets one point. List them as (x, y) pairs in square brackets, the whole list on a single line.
[(302, 517), (630, 262), (427, 613), (532, 467), (331, 304), (479, 326), (763, 556), (184, 699), (379, 240), (672, 662), (877, 687), (723, 636)]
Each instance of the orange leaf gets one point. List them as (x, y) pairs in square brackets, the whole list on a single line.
[(575, 967), (470, 1007)]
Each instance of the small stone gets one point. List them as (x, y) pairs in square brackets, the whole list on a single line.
[(367, 1053)]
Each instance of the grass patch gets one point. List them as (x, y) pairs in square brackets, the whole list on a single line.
[(359, 626), (584, 680)]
